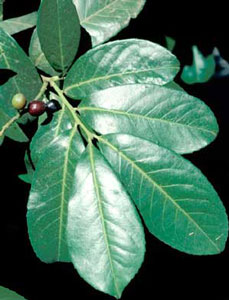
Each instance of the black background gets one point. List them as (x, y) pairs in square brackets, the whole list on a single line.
[(166, 273)]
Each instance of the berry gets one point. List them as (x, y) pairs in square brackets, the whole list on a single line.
[(52, 106), (36, 108), (19, 101)]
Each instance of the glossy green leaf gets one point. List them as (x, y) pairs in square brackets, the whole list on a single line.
[(14, 131), (37, 55), (201, 70), (58, 29), (178, 204), (119, 63), (27, 80), (6, 294), (169, 117), (104, 19), (29, 170), (170, 43), (105, 235), (46, 134), (48, 200), (15, 25)]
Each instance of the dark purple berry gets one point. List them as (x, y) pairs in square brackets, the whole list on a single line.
[(36, 108), (53, 106)]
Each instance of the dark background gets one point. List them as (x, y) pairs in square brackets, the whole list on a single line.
[(166, 273)]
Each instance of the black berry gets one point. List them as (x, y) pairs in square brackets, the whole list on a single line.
[(36, 108), (52, 106)]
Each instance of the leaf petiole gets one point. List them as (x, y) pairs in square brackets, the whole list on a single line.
[(90, 135)]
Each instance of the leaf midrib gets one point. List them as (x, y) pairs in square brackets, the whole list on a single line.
[(101, 212), (105, 77), (63, 200), (114, 111), (140, 170)]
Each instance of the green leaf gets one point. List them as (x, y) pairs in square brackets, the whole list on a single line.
[(170, 43), (14, 131), (37, 56), (58, 29), (46, 134), (48, 200), (15, 25), (169, 117), (178, 204), (29, 168), (6, 294), (1, 10), (118, 63), (27, 80), (201, 70), (104, 19), (105, 234)]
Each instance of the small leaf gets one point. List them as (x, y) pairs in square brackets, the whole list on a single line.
[(104, 19), (15, 25), (6, 294), (178, 204), (29, 168), (201, 70), (169, 117), (37, 56), (170, 43), (222, 66), (119, 63), (46, 134), (48, 200), (14, 131), (1, 10), (27, 80), (105, 234), (58, 29)]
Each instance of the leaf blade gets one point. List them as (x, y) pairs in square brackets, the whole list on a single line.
[(110, 241), (18, 24), (178, 204), (6, 294), (48, 200), (119, 63), (59, 32), (103, 20), (169, 117)]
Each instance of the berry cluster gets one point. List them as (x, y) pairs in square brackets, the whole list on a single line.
[(35, 107)]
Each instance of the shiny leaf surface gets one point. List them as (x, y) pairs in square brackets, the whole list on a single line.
[(162, 115), (46, 134), (15, 25), (6, 294), (48, 200), (37, 55), (105, 235), (119, 63), (58, 29), (104, 19), (178, 204), (201, 70), (27, 80)]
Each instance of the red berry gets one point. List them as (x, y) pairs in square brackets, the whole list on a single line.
[(36, 108)]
